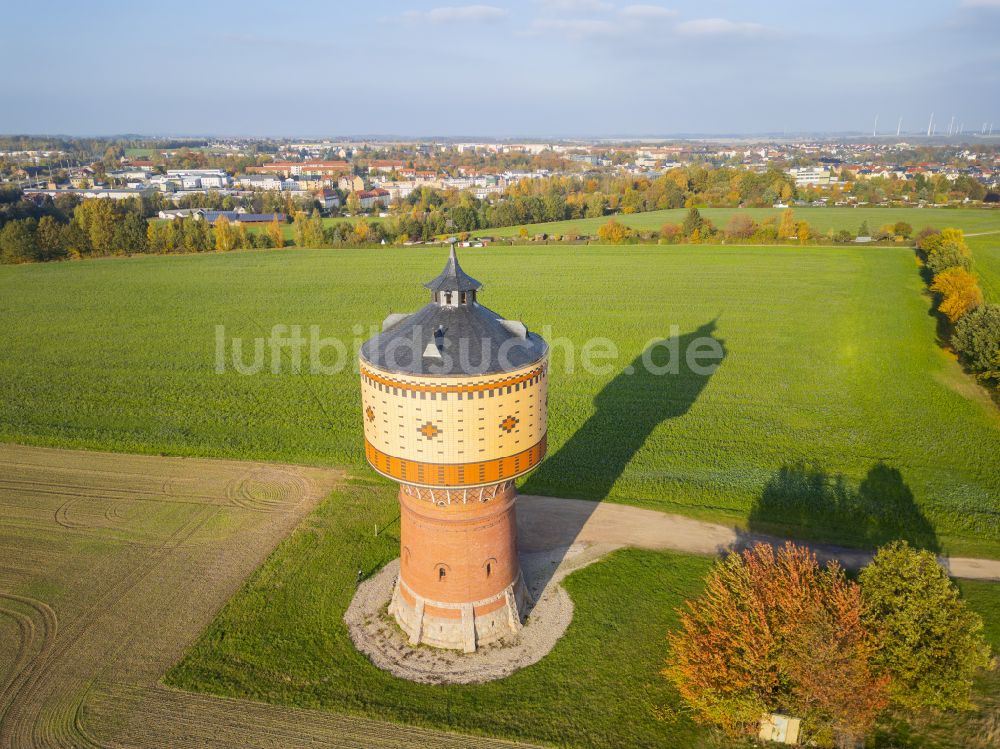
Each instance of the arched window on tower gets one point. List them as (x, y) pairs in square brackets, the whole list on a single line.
[(490, 566)]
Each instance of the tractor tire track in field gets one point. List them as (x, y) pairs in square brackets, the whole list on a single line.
[(135, 579), (267, 490), (17, 723), (35, 642), (254, 724)]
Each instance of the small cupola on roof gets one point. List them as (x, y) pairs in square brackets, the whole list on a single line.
[(454, 334), (453, 286)]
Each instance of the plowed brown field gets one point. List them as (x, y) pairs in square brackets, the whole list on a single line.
[(110, 566)]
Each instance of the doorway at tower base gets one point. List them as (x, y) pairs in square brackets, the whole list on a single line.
[(379, 637), (459, 626)]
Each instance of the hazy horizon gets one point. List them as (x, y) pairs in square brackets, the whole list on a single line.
[(534, 68)]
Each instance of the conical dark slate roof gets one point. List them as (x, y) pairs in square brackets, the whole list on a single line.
[(449, 339), (437, 340), (453, 278)]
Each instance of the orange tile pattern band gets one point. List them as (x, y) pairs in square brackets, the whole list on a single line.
[(457, 474), (502, 382)]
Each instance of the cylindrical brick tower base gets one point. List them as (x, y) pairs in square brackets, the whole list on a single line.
[(460, 583), (454, 398)]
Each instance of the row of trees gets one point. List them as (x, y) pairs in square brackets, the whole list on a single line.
[(974, 325), (574, 197), (14, 206), (196, 235), (98, 228), (935, 188), (570, 197), (744, 229), (94, 228), (775, 632)]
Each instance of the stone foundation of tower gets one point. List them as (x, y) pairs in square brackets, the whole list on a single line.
[(460, 584), (466, 626)]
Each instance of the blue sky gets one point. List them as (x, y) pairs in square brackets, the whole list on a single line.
[(528, 68)]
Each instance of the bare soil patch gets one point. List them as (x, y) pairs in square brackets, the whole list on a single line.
[(110, 566)]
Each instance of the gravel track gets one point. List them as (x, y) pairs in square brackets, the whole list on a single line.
[(551, 522)]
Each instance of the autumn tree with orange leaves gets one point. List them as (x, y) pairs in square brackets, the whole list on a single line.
[(613, 232), (775, 632), (959, 290)]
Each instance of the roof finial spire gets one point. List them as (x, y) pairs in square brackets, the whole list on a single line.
[(453, 278)]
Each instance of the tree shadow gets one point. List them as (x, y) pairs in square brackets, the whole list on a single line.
[(804, 500), (660, 384)]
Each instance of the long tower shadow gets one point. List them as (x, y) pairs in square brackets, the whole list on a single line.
[(660, 384)]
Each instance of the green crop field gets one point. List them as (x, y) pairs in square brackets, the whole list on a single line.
[(821, 219), (986, 258), (141, 153), (282, 639), (833, 416)]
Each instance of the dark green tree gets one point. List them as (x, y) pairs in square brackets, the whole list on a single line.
[(977, 339), (131, 234), (692, 222), (946, 255), (18, 242), (49, 238), (927, 639)]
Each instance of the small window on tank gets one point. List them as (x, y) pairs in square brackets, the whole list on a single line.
[(441, 574), (489, 569)]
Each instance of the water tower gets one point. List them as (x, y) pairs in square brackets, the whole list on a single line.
[(453, 399)]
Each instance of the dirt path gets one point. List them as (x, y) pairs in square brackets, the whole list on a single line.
[(110, 566), (549, 522)]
